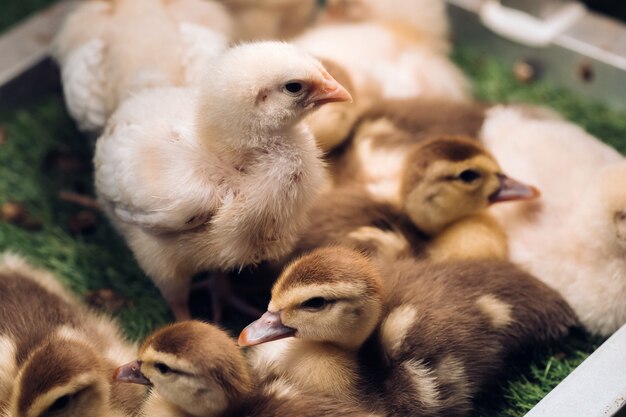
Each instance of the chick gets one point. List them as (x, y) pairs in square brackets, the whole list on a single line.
[(197, 370), (271, 19), (446, 185), (573, 238), (425, 342), (56, 356), (391, 50), (220, 178), (424, 19), (110, 50), (387, 56)]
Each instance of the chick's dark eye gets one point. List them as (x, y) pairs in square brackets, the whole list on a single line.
[(293, 87), (469, 175), (162, 368), (315, 303), (60, 404)]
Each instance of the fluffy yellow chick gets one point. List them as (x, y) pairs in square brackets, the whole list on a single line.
[(574, 237), (109, 50), (270, 19), (197, 370), (218, 178), (56, 356)]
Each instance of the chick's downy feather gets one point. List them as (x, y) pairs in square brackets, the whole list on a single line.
[(109, 50)]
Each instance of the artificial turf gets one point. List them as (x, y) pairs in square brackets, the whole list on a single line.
[(41, 153)]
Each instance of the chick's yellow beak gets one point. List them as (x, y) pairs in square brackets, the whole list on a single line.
[(266, 329), (131, 373), (511, 189), (328, 91)]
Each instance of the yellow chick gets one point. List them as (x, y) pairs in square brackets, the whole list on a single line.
[(109, 50), (425, 340), (219, 178), (196, 370), (56, 356)]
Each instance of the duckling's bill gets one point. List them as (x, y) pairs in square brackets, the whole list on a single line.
[(266, 329), (131, 373), (511, 190)]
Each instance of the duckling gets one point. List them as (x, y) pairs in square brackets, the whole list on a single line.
[(56, 355), (446, 185), (271, 19), (197, 370), (423, 341), (219, 178), (109, 50)]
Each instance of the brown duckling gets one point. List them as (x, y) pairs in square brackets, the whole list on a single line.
[(437, 209), (197, 370), (426, 347), (56, 356)]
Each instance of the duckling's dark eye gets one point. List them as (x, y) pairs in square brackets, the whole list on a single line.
[(60, 404), (293, 87), (315, 303), (469, 175), (162, 368)]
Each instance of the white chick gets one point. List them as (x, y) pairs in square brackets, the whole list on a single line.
[(218, 178), (270, 19), (385, 54), (110, 50), (574, 237)]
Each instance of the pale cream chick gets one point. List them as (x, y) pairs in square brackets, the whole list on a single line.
[(390, 50), (110, 50), (219, 178), (57, 355), (270, 19), (388, 338), (197, 370), (573, 237)]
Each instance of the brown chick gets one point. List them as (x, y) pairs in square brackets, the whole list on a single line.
[(446, 185), (56, 356), (197, 370), (424, 345)]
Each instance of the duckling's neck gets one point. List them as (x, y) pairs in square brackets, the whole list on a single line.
[(323, 366)]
